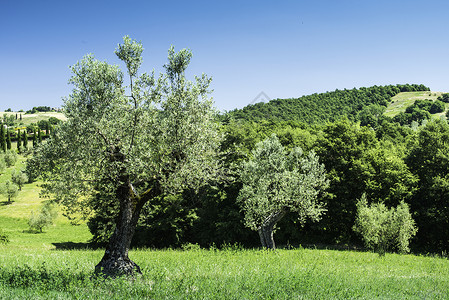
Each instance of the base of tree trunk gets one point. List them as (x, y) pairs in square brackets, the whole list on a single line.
[(117, 266)]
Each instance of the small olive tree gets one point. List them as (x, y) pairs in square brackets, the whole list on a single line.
[(276, 182), (10, 190), (10, 158), (44, 217), (19, 178), (384, 228)]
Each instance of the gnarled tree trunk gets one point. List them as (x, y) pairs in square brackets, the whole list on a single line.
[(115, 261), (266, 230)]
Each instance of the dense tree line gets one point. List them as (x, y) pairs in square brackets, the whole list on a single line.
[(390, 165), (318, 108)]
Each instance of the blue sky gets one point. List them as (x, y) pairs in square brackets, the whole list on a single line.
[(285, 49)]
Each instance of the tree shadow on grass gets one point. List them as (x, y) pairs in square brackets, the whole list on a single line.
[(75, 246), (4, 203)]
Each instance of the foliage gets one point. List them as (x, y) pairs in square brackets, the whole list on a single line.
[(357, 162), (275, 183), (19, 178), (45, 217), (330, 106), (160, 139), (382, 228), (10, 158), (420, 110), (10, 190), (38, 109), (429, 160), (444, 98)]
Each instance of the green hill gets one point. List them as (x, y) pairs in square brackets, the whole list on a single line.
[(14, 217), (403, 100), (318, 108)]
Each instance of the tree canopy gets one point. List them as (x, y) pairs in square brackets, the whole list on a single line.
[(275, 183), (135, 142)]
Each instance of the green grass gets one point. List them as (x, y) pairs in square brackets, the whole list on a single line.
[(226, 274), (34, 118), (402, 100)]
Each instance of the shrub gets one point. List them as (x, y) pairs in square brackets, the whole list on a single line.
[(45, 217), (19, 178), (437, 107), (10, 158), (384, 229), (10, 190)]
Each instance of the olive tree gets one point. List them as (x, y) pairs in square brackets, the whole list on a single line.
[(10, 190), (276, 182), (19, 178), (383, 228), (152, 136)]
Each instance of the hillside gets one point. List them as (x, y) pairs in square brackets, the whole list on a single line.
[(36, 117), (14, 217), (319, 108), (401, 101)]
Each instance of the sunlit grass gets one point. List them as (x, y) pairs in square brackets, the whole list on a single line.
[(34, 118), (228, 274), (402, 100)]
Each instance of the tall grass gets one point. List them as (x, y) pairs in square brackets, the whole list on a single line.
[(226, 274)]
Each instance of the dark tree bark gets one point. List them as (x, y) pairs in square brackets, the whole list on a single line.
[(266, 230), (115, 261)]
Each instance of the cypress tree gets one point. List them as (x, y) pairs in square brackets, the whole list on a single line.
[(39, 133), (19, 141), (2, 138), (8, 140), (34, 138), (25, 140)]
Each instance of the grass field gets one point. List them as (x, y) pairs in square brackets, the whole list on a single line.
[(402, 100), (58, 264), (34, 118), (225, 274)]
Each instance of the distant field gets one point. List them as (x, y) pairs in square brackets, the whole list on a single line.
[(34, 118), (402, 100)]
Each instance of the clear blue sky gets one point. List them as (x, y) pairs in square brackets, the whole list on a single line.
[(282, 48)]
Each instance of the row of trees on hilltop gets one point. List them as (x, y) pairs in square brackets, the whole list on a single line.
[(318, 108)]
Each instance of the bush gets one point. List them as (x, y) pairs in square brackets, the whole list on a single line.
[(19, 178), (45, 217), (384, 229), (10, 158), (10, 190), (437, 107)]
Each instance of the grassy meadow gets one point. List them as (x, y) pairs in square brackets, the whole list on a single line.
[(402, 100), (58, 264), (34, 118)]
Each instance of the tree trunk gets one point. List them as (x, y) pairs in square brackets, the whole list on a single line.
[(115, 261), (266, 230)]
